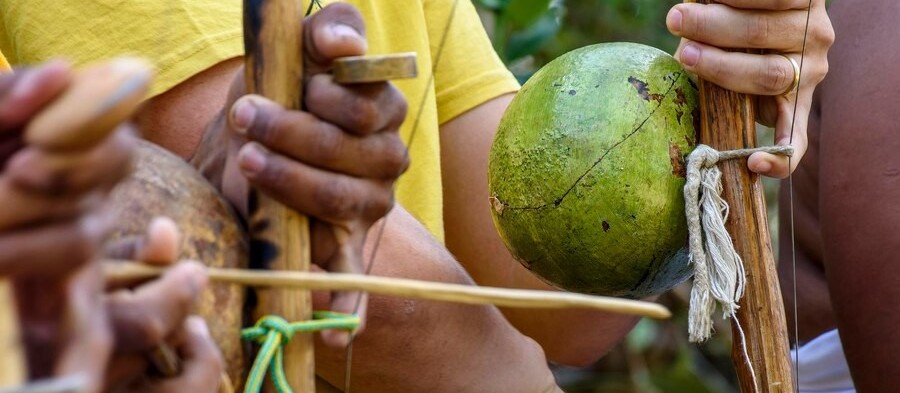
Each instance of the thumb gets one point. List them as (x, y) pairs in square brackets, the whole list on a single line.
[(159, 245), (336, 31)]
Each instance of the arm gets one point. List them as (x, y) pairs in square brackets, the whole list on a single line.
[(859, 190), (422, 346), (407, 345)]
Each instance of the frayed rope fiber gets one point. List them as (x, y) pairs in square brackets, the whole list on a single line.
[(719, 275)]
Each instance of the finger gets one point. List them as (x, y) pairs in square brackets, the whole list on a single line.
[(73, 173), (144, 318), (90, 344), (9, 145), (747, 73), (363, 109), (348, 259), (203, 362), (307, 138), (328, 196), (36, 208), (124, 370), (727, 27), (22, 95), (776, 5), (53, 249), (335, 31), (160, 245), (790, 129), (99, 99)]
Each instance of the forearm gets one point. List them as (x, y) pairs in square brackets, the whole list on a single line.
[(572, 337), (418, 346)]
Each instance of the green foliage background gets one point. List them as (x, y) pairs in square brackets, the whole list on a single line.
[(655, 357)]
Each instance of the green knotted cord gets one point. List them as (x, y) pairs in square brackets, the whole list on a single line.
[(273, 333)]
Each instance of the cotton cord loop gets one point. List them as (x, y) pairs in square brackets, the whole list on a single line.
[(273, 333), (719, 275)]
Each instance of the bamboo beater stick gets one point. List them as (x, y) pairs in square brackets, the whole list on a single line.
[(426, 290)]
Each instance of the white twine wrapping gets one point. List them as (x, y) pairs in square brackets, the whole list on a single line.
[(719, 275)]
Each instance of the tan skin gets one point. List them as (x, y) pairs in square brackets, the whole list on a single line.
[(844, 199), (402, 334), (49, 252), (46, 250)]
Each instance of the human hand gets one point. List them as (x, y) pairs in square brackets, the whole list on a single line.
[(336, 162), (776, 27), (57, 193), (152, 317), (57, 220)]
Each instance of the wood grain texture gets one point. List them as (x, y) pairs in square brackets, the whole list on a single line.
[(280, 237), (375, 68), (728, 123)]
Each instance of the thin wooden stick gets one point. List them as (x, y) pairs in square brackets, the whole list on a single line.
[(130, 271), (273, 37), (728, 122)]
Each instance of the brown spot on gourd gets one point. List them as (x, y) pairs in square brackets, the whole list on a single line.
[(643, 90), (677, 160), (680, 99), (605, 226), (497, 204), (641, 87)]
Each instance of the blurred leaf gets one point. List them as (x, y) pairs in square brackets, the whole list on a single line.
[(680, 377), (522, 13), (526, 42), (494, 5), (642, 336)]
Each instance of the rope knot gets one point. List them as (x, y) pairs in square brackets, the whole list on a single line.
[(274, 332), (704, 156), (277, 325), (719, 275)]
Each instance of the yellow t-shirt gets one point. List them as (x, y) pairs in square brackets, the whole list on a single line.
[(184, 37), (4, 65)]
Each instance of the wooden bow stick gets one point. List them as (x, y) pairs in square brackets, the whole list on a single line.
[(728, 122), (427, 290), (280, 237)]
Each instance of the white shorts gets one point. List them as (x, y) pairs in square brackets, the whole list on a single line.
[(823, 367)]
